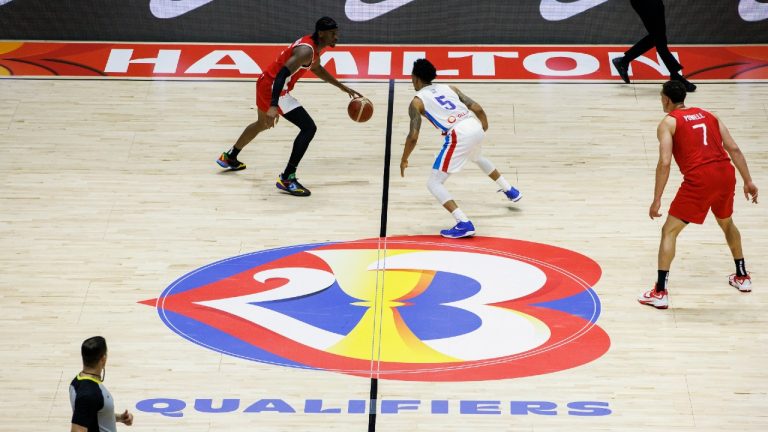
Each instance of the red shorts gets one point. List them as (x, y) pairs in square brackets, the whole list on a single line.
[(710, 186), (263, 94), (286, 102)]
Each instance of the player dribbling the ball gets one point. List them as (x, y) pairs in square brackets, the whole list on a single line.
[(273, 98)]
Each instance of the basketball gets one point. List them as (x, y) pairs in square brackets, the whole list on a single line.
[(360, 109)]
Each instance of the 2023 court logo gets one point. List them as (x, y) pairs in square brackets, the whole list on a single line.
[(411, 308)]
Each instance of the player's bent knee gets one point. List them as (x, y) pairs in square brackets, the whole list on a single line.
[(436, 187), (672, 228), (724, 223), (437, 176), (310, 129)]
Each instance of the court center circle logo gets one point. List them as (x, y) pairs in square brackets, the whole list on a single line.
[(405, 308)]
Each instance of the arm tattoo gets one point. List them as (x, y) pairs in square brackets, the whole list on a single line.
[(466, 100), (415, 118)]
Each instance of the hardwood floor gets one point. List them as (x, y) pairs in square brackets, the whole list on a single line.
[(109, 192)]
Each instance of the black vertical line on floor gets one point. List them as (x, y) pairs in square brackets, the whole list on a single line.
[(373, 396), (387, 158), (372, 405)]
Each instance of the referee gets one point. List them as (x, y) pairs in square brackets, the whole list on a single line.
[(652, 14), (93, 409)]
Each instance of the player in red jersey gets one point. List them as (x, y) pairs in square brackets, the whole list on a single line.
[(273, 98), (701, 146)]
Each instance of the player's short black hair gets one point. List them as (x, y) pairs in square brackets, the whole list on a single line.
[(92, 350), (675, 91), (424, 70), (325, 23)]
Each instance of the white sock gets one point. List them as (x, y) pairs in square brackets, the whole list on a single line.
[(459, 215), (503, 183)]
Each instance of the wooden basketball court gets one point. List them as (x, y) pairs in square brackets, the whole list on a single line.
[(110, 193)]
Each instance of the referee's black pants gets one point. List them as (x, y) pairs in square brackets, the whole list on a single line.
[(652, 14)]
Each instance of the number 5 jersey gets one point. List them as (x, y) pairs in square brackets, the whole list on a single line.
[(442, 107)]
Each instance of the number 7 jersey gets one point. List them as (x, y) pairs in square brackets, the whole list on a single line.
[(697, 140), (442, 107)]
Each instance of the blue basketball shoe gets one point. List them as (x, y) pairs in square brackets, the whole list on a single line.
[(512, 194), (461, 230)]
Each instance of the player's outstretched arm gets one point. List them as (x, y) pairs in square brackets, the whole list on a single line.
[(739, 161), (415, 109), (326, 76), (473, 106), (664, 133)]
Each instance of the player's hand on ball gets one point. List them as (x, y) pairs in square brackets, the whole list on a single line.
[(352, 93)]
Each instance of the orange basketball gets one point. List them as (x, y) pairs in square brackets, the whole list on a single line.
[(360, 109)]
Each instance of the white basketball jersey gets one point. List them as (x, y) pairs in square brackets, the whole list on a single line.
[(443, 107)]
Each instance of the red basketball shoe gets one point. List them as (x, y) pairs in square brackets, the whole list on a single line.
[(659, 300), (741, 283)]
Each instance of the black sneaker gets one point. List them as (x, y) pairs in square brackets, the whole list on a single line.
[(229, 162), (292, 186), (622, 68), (689, 86)]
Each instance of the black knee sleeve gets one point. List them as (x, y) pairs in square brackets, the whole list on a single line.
[(299, 117)]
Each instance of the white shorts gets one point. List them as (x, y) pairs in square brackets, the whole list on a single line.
[(462, 143), (287, 103)]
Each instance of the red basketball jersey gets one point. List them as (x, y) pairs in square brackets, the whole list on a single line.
[(271, 72), (697, 140)]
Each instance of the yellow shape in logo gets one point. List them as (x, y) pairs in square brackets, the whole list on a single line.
[(359, 275)]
